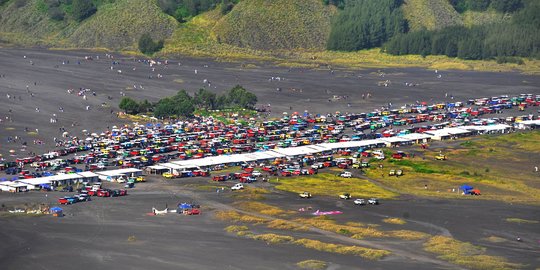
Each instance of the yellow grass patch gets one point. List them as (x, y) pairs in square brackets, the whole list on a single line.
[(466, 254), (271, 238), (250, 193), (235, 216), (398, 221), (312, 264), (236, 228), (331, 185), (262, 208), (407, 235), (521, 221), (366, 253), (494, 239), (178, 81), (282, 224)]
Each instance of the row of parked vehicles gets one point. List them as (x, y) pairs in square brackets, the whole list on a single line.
[(85, 194)]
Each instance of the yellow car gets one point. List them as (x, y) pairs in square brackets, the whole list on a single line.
[(140, 178), (440, 157), (168, 175)]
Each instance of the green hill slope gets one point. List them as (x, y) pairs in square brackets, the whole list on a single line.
[(276, 24), (27, 24), (430, 14), (119, 25)]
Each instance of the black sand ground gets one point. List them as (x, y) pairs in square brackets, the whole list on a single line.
[(94, 235)]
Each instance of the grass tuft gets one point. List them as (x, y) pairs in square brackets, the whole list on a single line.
[(398, 221), (521, 221), (312, 264)]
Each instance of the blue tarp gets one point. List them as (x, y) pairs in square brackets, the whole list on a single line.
[(466, 187)]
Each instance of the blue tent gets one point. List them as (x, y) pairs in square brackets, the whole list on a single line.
[(56, 209), (185, 206), (466, 188)]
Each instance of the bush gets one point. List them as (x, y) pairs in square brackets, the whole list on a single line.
[(82, 9), (56, 13), (20, 3), (148, 46)]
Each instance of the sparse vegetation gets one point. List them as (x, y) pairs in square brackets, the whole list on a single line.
[(262, 208), (465, 254), (318, 185), (521, 221), (234, 216), (312, 264), (271, 238), (366, 253), (398, 221), (236, 228)]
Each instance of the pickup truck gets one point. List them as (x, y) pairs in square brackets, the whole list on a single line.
[(305, 195)]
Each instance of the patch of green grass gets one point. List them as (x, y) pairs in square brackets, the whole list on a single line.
[(331, 185), (416, 166), (521, 221)]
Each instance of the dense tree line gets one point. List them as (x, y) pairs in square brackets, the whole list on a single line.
[(364, 24), (519, 37), (183, 105), (483, 5), (182, 10)]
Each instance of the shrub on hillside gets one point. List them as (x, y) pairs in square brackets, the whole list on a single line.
[(3, 2), (20, 3), (82, 9), (148, 46), (56, 13)]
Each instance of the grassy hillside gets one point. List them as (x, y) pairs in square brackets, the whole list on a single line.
[(28, 24), (117, 25), (430, 14), (276, 24), (120, 24)]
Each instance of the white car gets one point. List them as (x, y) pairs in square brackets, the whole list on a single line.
[(360, 202), (373, 201), (256, 173), (238, 186), (346, 174)]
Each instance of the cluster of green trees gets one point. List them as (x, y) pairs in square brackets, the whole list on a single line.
[(148, 46), (364, 24), (519, 37), (182, 10), (483, 5), (338, 3), (76, 9), (183, 105)]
